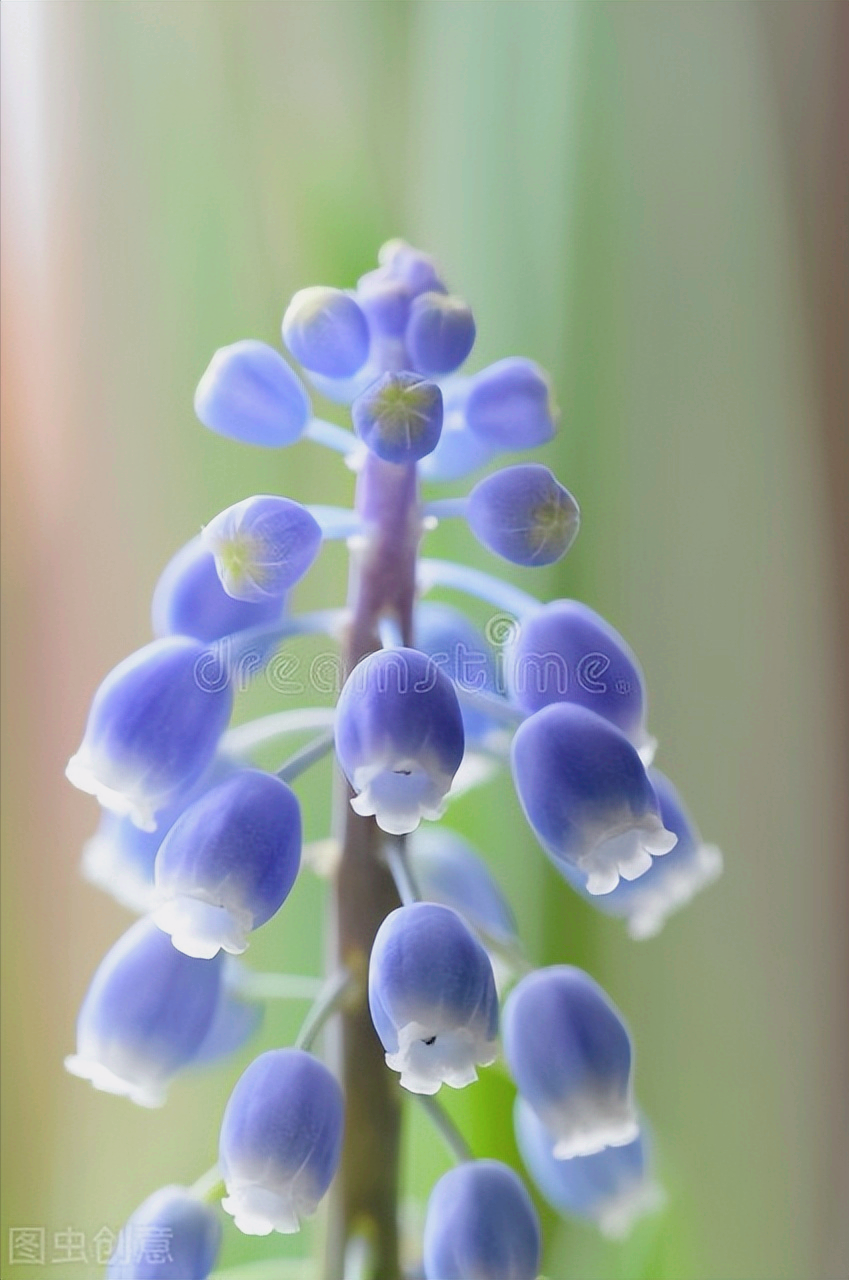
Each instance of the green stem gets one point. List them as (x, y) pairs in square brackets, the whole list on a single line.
[(334, 994), (448, 1131)]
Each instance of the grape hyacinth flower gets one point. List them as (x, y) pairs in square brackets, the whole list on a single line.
[(612, 1188), (153, 728), (570, 1054), (250, 394), (262, 547), (399, 738), (171, 1236), (189, 600), (326, 331), (566, 652), (432, 998), (281, 1138), (481, 1225), (210, 844), (228, 864), (524, 515), (586, 794), (146, 1014), (399, 417), (447, 870), (670, 883)]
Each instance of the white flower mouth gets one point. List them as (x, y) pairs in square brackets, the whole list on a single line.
[(675, 888), (145, 1093), (103, 867), (127, 801), (399, 793), (617, 1215), (427, 1059), (588, 1123), (257, 1211), (625, 850), (202, 929)]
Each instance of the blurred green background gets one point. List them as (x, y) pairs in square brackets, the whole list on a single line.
[(649, 199)]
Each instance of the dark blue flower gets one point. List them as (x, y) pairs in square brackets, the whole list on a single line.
[(250, 394), (481, 1225), (171, 1236), (524, 514), (326, 332)]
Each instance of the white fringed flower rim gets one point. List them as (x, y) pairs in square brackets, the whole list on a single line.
[(149, 1093), (625, 850), (617, 1215), (202, 929), (427, 1059), (103, 866), (399, 793), (128, 802), (258, 1210), (586, 1123), (677, 885)]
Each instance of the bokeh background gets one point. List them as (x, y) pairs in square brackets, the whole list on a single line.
[(651, 200)]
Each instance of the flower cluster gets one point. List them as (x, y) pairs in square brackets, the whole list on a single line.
[(206, 847)]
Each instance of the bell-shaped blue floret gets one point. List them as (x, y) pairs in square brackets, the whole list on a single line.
[(432, 997), (281, 1138), (228, 863), (399, 417), (171, 1236), (189, 600), (524, 514), (481, 1225), (440, 333), (459, 451), (417, 270), (385, 301), (250, 394), (146, 1015), (586, 794), (447, 870), (511, 406), (326, 331), (569, 1052), (262, 546), (399, 738), (670, 882), (566, 652), (612, 1188), (462, 652), (153, 728)]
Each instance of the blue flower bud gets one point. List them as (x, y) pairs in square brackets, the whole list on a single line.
[(511, 405), (523, 514), (612, 1188), (399, 417), (249, 393), (432, 997), (281, 1138), (171, 1236), (481, 1225), (146, 1014), (326, 332), (399, 738), (385, 301), (189, 600), (119, 859), (153, 728), (462, 652), (447, 870), (586, 794), (566, 652), (459, 451), (228, 863), (440, 333), (570, 1054), (415, 269), (670, 882), (262, 546)]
